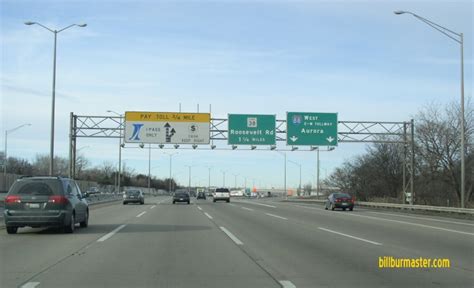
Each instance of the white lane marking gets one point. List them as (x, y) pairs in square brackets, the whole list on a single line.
[(395, 221), (261, 204), (414, 224), (421, 218), (287, 284), (350, 236), (231, 236), (231, 204), (108, 235), (276, 216), (245, 208), (141, 214), (30, 285), (199, 208), (208, 216), (152, 206)]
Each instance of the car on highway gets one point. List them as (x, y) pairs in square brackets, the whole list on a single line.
[(339, 200), (201, 195), (45, 202), (181, 197), (92, 191), (221, 194), (133, 196)]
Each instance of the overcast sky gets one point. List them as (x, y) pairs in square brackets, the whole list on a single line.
[(355, 58)]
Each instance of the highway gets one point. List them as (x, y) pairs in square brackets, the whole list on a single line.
[(245, 243)]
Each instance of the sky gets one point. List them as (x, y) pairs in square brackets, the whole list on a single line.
[(354, 58)]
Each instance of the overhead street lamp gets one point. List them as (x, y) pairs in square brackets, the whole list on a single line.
[(459, 38), (5, 156), (119, 176), (171, 163), (51, 156), (189, 180), (235, 180)]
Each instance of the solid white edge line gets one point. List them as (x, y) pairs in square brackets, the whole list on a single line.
[(261, 204), (208, 216), (421, 218), (30, 285), (108, 235), (414, 224), (395, 221), (141, 214), (232, 204), (287, 284), (231, 236), (350, 236), (152, 206), (245, 208), (276, 216), (199, 208)]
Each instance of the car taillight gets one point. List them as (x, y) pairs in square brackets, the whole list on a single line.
[(12, 199), (338, 200), (58, 199)]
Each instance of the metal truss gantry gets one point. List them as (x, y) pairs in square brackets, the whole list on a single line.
[(348, 132)]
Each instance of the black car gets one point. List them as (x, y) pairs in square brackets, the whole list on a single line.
[(45, 202), (133, 196), (181, 197), (201, 195), (339, 200)]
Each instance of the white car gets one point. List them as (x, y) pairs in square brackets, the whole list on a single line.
[(221, 194)]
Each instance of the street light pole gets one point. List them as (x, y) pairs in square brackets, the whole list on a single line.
[(171, 163), (119, 176), (300, 172), (149, 168), (189, 180), (55, 32), (5, 156), (223, 177), (449, 33)]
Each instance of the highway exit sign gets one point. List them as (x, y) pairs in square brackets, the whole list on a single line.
[(251, 129), (311, 129)]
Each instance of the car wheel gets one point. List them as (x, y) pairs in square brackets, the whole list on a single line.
[(214, 201), (124, 203), (69, 228), (352, 208), (325, 206), (332, 207), (174, 202), (141, 203), (188, 202), (228, 200), (85, 223), (343, 209), (12, 229)]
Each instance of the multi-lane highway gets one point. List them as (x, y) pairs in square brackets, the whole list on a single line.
[(245, 243)]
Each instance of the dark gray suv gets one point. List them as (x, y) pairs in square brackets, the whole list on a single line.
[(45, 202)]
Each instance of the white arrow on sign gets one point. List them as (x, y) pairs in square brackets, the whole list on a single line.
[(330, 139), (294, 138)]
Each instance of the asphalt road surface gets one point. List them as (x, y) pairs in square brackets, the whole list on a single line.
[(245, 243)]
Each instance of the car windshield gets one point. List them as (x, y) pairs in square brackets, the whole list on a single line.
[(36, 187), (222, 190), (133, 193)]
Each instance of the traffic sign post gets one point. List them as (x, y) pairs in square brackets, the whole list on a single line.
[(251, 129), (311, 129), (167, 128)]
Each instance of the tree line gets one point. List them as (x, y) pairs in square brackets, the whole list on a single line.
[(377, 175), (104, 174)]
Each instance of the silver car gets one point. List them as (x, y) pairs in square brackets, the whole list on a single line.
[(133, 196)]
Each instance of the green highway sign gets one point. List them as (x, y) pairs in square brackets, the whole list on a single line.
[(251, 129), (311, 129)]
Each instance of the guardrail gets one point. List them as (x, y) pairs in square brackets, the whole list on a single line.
[(439, 209)]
